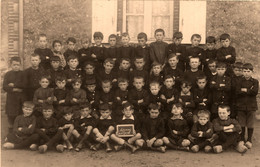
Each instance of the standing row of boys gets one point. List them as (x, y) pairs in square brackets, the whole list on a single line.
[(168, 92)]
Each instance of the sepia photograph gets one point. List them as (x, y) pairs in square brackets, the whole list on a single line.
[(123, 83)]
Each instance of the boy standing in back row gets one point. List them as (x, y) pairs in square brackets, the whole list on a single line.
[(158, 48)]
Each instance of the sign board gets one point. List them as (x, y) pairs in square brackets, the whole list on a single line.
[(125, 130)]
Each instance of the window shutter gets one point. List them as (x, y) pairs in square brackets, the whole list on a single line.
[(192, 19), (104, 17)]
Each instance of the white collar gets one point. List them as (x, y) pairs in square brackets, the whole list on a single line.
[(104, 118), (99, 45), (214, 73), (188, 94), (132, 117)]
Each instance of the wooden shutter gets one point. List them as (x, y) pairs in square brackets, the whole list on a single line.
[(104, 17), (192, 19)]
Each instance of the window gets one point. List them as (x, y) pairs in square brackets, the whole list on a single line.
[(147, 16)]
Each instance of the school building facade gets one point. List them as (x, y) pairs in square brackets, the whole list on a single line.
[(23, 20)]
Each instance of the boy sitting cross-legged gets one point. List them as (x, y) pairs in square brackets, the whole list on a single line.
[(178, 130), (228, 130), (66, 124), (47, 128), (129, 119), (83, 128), (23, 130), (202, 132), (153, 129), (104, 127)]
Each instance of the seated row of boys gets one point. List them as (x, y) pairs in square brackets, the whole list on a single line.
[(152, 132)]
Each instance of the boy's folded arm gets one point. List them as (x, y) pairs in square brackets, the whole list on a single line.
[(30, 129), (254, 89)]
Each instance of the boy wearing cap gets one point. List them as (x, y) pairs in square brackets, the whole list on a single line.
[(246, 104), (104, 127), (178, 49)]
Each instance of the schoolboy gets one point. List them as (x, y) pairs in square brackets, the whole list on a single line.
[(71, 44), (139, 97), (202, 96), (153, 129), (172, 69), (112, 52), (177, 130), (84, 53), (194, 50), (201, 133), (47, 129), (154, 93), (43, 95), (126, 50), (106, 95), (23, 134), (139, 70), (121, 97), (143, 50), (44, 52), (178, 49), (104, 127), (212, 69), (107, 73), (55, 70), (13, 85), (32, 76), (77, 96), (228, 131), (220, 87), (187, 102), (97, 51), (237, 68), (156, 73), (124, 68), (91, 96), (169, 96), (57, 48), (61, 95), (210, 53), (246, 104), (88, 72), (226, 53), (194, 71), (66, 124), (83, 127), (129, 119), (72, 71), (158, 48)]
